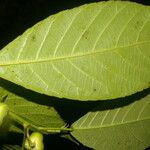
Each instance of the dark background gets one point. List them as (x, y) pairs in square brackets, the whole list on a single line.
[(18, 15)]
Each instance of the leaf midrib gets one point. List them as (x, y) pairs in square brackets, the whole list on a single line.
[(70, 57), (111, 125)]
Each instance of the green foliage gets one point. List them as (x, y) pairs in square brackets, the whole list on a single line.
[(31, 113), (10, 147), (117, 128), (87, 60), (98, 52)]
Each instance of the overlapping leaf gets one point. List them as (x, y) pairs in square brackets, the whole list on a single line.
[(10, 147), (119, 128), (32, 113), (96, 51)]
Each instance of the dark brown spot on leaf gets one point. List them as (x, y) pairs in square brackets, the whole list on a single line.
[(138, 25), (33, 38), (94, 90), (85, 35)]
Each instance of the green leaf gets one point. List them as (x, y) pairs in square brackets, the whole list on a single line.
[(10, 147), (119, 128), (38, 116), (33, 113), (96, 51)]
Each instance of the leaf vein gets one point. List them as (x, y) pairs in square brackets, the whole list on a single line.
[(44, 39), (67, 57), (86, 28), (105, 28), (125, 26), (67, 29)]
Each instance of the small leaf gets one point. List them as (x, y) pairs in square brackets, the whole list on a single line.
[(96, 51), (120, 128), (10, 147), (32, 113)]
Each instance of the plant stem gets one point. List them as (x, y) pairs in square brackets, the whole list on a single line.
[(26, 132), (33, 127)]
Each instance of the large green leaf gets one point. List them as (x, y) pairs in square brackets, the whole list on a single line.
[(96, 51), (119, 128), (36, 115)]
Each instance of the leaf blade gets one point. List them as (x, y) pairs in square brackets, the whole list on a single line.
[(44, 117), (10, 147), (86, 60), (119, 128)]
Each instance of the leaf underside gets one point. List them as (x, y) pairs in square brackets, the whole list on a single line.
[(120, 128), (96, 51)]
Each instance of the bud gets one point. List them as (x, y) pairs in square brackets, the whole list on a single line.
[(3, 112), (34, 142)]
